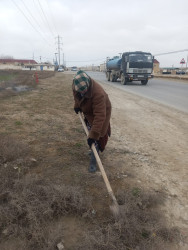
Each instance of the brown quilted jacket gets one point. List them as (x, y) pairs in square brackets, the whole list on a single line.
[(96, 107)]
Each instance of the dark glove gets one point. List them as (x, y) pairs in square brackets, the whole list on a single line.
[(86, 121), (90, 141), (77, 110)]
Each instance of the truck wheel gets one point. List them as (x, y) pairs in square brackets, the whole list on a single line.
[(123, 80), (144, 82), (108, 76), (112, 78), (115, 78)]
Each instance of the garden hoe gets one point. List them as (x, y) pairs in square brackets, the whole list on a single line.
[(115, 207)]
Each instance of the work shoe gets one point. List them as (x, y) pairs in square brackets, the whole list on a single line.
[(93, 163)]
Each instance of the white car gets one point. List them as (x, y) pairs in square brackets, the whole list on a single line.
[(60, 70), (74, 68)]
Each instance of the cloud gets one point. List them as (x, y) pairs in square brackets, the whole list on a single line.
[(93, 30)]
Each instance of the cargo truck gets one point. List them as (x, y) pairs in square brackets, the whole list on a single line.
[(132, 66)]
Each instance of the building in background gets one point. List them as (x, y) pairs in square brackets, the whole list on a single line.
[(16, 64), (103, 67), (39, 67), (156, 68), (20, 64), (90, 68)]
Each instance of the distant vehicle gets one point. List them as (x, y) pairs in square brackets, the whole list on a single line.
[(166, 72), (60, 70), (132, 66), (74, 68), (180, 72)]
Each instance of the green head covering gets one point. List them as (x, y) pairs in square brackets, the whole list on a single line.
[(81, 82)]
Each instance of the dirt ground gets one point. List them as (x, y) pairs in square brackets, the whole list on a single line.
[(47, 195), (156, 137)]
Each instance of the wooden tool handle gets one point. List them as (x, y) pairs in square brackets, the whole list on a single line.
[(99, 163)]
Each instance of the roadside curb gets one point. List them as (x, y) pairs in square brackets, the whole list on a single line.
[(172, 77)]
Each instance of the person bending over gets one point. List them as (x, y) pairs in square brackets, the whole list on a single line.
[(91, 99)]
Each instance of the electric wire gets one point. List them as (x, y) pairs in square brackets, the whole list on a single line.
[(31, 15), (166, 53), (172, 52), (41, 15), (39, 12), (46, 19), (89, 60), (52, 16), (30, 22)]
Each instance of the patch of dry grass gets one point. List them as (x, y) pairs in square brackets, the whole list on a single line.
[(31, 204), (12, 78), (28, 203), (141, 226), (11, 149)]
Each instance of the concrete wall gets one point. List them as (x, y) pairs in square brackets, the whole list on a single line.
[(47, 67), (10, 66), (27, 67)]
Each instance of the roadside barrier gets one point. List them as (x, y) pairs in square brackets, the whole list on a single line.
[(180, 77)]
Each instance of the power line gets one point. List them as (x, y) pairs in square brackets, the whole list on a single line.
[(46, 18), (31, 14), (40, 14), (172, 52), (90, 60), (47, 58), (102, 59), (36, 21), (30, 22), (52, 16)]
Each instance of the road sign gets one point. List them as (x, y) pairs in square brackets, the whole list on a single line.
[(182, 61)]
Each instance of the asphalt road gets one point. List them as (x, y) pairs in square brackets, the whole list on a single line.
[(172, 93)]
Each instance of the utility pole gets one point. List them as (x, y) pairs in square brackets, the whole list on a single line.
[(120, 55), (64, 60), (56, 58), (56, 64), (59, 43)]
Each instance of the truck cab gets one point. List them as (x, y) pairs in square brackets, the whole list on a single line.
[(132, 66), (136, 66)]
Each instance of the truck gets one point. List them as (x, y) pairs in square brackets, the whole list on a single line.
[(131, 66)]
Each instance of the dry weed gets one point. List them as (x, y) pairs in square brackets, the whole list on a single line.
[(9, 79), (31, 204), (13, 161), (11, 149), (141, 226)]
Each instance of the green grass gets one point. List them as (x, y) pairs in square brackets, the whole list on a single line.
[(136, 191), (78, 145), (18, 123), (6, 77)]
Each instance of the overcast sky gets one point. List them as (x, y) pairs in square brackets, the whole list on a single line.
[(92, 30)]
